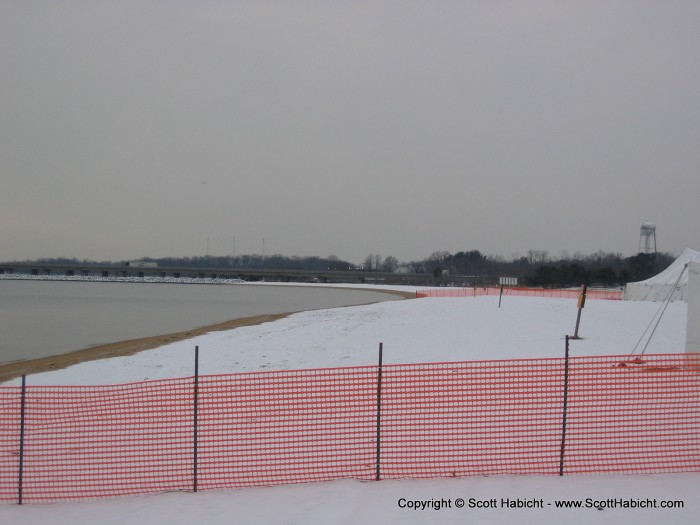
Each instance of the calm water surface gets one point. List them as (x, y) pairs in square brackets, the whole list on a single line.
[(43, 318)]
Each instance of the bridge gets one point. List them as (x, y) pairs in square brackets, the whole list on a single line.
[(208, 273)]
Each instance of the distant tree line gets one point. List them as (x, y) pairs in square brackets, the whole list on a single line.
[(272, 262), (465, 268), (257, 262), (537, 268), (375, 263)]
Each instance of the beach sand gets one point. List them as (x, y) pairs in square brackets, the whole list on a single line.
[(132, 346)]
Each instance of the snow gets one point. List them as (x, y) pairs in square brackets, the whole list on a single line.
[(354, 502), (423, 330), (413, 331)]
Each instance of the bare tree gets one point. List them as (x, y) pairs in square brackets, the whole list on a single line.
[(390, 264), (537, 256), (369, 263)]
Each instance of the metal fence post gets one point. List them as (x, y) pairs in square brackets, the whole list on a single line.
[(566, 400), (379, 413), (196, 416), (20, 486)]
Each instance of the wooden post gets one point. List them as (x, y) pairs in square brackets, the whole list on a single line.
[(581, 304)]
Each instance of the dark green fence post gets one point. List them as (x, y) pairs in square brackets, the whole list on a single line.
[(379, 413), (20, 486), (196, 416), (566, 400)]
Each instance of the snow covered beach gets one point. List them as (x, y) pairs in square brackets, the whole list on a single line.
[(425, 330), (413, 331)]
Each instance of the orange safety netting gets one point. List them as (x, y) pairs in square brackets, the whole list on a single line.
[(478, 291), (435, 420)]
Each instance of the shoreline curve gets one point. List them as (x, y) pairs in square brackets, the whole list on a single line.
[(9, 371)]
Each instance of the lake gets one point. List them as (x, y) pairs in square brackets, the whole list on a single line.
[(44, 318)]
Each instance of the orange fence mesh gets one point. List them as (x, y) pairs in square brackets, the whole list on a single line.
[(436, 420), (565, 293)]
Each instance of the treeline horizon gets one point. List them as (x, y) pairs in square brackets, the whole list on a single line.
[(464, 268)]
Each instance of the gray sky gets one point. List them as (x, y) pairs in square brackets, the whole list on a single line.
[(144, 128)]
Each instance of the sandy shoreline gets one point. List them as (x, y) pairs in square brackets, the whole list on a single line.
[(132, 346)]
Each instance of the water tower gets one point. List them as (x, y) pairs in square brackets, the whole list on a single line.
[(647, 236)]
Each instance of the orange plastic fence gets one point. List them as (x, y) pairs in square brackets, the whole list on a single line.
[(435, 420), (566, 293)]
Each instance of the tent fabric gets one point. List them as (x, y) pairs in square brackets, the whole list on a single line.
[(692, 343), (659, 287)]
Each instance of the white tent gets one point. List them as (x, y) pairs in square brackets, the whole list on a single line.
[(659, 287), (692, 342)]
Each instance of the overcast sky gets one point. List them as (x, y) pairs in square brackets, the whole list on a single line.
[(158, 128)]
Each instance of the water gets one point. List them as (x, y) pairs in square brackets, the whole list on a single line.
[(44, 318)]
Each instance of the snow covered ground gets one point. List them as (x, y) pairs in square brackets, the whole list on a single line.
[(419, 330), (351, 502), (424, 330)]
